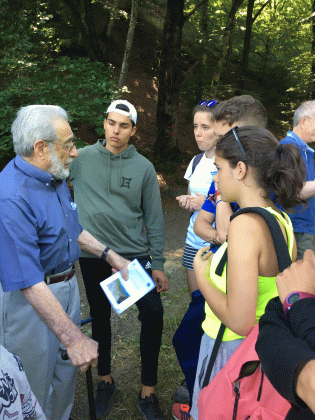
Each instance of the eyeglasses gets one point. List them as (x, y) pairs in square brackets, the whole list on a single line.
[(238, 141), (67, 146), (210, 104)]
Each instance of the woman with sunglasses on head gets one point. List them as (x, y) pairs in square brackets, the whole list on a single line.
[(253, 171), (199, 174)]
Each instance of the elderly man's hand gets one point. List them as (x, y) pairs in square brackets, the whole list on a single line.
[(83, 353), (118, 263)]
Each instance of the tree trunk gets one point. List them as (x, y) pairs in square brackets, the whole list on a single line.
[(89, 41), (90, 23), (247, 40), (267, 54), (205, 39), (228, 32), (130, 35), (250, 19), (113, 17), (170, 78)]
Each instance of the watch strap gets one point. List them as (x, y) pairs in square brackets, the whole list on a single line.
[(105, 252), (292, 298)]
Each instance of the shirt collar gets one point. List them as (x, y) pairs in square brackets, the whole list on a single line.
[(300, 142), (33, 171)]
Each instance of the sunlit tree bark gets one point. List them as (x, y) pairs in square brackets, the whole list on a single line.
[(228, 33), (129, 41)]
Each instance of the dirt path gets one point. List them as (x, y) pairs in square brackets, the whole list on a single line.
[(125, 328)]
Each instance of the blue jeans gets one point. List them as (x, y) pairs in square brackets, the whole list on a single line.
[(187, 338)]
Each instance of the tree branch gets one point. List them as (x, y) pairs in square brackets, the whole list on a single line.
[(260, 10), (187, 15), (184, 74), (306, 20)]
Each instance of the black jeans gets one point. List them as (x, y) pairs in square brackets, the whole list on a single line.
[(150, 315)]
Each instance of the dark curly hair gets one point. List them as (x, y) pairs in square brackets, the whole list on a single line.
[(279, 169)]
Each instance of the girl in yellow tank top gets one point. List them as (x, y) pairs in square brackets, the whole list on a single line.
[(252, 168)]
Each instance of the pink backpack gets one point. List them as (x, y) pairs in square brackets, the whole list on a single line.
[(241, 390)]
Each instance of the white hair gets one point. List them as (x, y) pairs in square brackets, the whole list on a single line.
[(307, 109), (35, 122), (57, 168)]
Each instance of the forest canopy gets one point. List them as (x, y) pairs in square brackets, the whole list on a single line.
[(62, 52)]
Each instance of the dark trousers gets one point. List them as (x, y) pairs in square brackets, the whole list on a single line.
[(187, 338), (150, 315)]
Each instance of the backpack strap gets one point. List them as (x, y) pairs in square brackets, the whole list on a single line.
[(221, 264), (196, 160), (284, 261), (281, 247), (213, 356)]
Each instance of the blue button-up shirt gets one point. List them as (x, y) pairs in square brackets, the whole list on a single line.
[(39, 226), (303, 218)]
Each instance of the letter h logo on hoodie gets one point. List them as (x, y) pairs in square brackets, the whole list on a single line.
[(126, 182)]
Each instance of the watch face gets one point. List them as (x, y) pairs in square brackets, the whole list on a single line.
[(293, 298)]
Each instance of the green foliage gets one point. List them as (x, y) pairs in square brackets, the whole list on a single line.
[(280, 58), (33, 33), (83, 88)]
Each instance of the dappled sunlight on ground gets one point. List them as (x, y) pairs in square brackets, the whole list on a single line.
[(161, 180), (175, 254)]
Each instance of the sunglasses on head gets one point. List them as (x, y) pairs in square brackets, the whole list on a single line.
[(238, 141), (208, 103)]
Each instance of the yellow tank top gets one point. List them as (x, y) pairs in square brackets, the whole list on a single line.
[(267, 288)]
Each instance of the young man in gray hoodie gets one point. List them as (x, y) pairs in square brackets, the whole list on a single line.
[(117, 194)]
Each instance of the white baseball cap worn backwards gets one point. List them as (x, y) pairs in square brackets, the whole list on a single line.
[(125, 108)]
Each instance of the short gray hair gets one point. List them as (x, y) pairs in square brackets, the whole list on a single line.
[(307, 109), (35, 122)]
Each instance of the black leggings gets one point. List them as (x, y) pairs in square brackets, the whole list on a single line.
[(150, 314)]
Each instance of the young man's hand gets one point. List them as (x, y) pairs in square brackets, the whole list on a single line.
[(160, 280), (299, 277)]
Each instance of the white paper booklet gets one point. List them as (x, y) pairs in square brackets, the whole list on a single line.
[(124, 293)]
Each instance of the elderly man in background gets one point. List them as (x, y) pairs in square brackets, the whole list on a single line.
[(40, 241), (303, 133)]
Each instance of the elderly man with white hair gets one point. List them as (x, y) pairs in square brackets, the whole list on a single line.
[(303, 218), (41, 239)]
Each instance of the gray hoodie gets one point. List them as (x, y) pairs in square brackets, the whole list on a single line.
[(117, 196)]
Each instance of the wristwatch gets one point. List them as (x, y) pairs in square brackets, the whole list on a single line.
[(105, 252), (292, 298)]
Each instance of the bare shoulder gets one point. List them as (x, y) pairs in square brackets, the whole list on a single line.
[(248, 223), (247, 238)]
